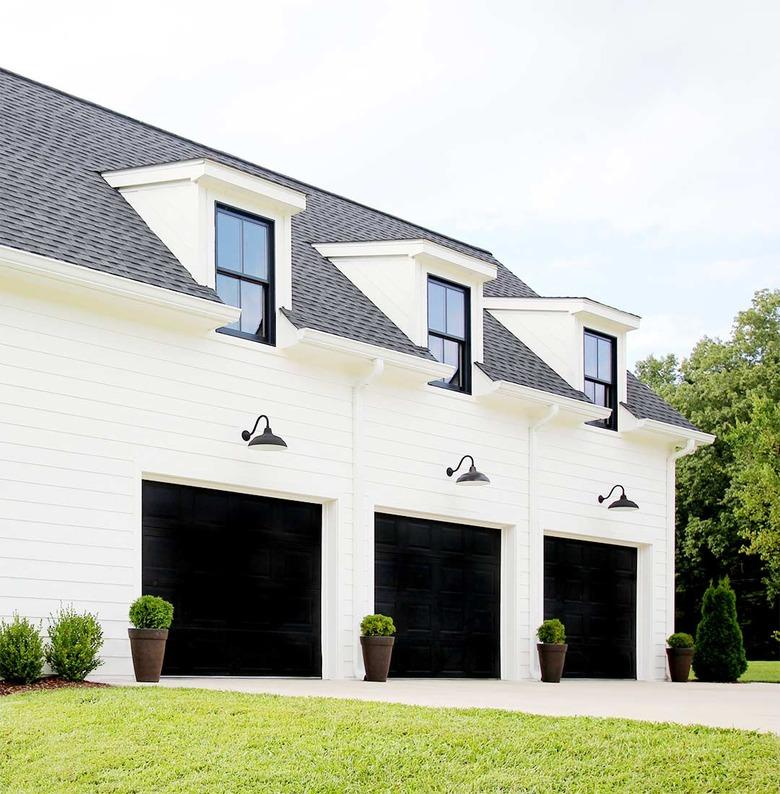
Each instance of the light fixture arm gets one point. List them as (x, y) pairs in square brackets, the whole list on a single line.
[(604, 498), (451, 471), (246, 434)]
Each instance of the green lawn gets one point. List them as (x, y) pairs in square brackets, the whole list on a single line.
[(165, 740), (763, 671)]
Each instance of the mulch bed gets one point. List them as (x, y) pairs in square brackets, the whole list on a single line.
[(46, 683)]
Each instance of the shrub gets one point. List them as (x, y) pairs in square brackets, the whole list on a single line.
[(151, 612), (679, 640), (74, 644), (21, 651), (377, 626), (720, 654), (552, 632)]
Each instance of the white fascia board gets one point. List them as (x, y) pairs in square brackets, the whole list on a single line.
[(588, 411), (579, 307), (208, 172), (484, 271), (676, 432), (211, 313), (363, 350)]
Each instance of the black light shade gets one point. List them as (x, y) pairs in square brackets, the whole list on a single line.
[(621, 503), (266, 440), (472, 477)]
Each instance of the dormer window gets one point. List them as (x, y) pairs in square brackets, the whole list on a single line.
[(245, 271), (448, 331), (601, 374)]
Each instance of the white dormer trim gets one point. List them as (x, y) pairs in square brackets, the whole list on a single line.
[(177, 202), (394, 275), (608, 318)]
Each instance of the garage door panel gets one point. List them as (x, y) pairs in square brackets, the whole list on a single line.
[(591, 587), (243, 574), (443, 596)]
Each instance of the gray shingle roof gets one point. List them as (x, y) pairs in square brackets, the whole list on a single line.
[(644, 403), (53, 202), (507, 358)]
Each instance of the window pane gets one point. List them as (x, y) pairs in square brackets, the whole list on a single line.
[(591, 356), (436, 346), (455, 313), (436, 307), (228, 241), (451, 353), (605, 360), (590, 391), (255, 249), (600, 394), (251, 307), (228, 291)]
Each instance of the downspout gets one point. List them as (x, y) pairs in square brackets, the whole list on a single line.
[(535, 542), (361, 577), (688, 449)]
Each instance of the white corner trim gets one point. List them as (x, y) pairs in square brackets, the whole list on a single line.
[(341, 344), (671, 431), (70, 274), (579, 307), (588, 411), (208, 172), (411, 248)]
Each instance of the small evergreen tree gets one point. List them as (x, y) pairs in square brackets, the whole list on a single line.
[(719, 654)]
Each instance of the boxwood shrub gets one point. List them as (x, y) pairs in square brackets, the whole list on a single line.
[(552, 632), (377, 626), (151, 612), (21, 651), (75, 641), (679, 640)]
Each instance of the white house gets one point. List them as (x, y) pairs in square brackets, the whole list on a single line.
[(382, 353)]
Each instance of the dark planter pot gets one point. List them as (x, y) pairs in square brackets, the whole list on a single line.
[(679, 663), (148, 649), (376, 656), (551, 659)]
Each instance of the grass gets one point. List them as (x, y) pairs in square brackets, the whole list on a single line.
[(165, 740), (768, 672)]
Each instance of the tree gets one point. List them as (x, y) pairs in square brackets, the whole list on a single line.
[(728, 494), (719, 653)]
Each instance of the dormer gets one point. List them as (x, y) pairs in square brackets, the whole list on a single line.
[(230, 229), (583, 340), (406, 279)]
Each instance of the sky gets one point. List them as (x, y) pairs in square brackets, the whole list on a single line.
[(625, 151)]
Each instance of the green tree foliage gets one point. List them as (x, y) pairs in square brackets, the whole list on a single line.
[(377, 626), (74, 645), (151, 612), (21, 651), (728, 494), (719, 654)]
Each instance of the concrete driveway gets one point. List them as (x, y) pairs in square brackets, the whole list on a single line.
[(745, 706)]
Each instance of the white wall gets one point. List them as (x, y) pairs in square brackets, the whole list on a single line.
[(93, 401)]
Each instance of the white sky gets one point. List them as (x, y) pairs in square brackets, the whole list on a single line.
[(627, 151)]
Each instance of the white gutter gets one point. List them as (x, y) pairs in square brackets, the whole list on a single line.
[(587, 410), (535, 540), (340, 344), (361, 535), (688, 449), (71, 275)]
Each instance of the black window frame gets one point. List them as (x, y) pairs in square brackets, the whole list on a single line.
[(269, 285), (464, 345), (611, 422)]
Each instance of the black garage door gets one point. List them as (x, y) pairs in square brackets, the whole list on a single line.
[(243, 574), (591, 587), (440, 583)]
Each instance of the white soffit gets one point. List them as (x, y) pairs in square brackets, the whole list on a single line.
[(210, 174), (587, 310)]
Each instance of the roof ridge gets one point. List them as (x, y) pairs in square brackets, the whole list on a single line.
[(303, 184)]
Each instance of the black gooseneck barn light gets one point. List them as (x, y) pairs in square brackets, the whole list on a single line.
[(471, 477), (267, 439), (621, 503)]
